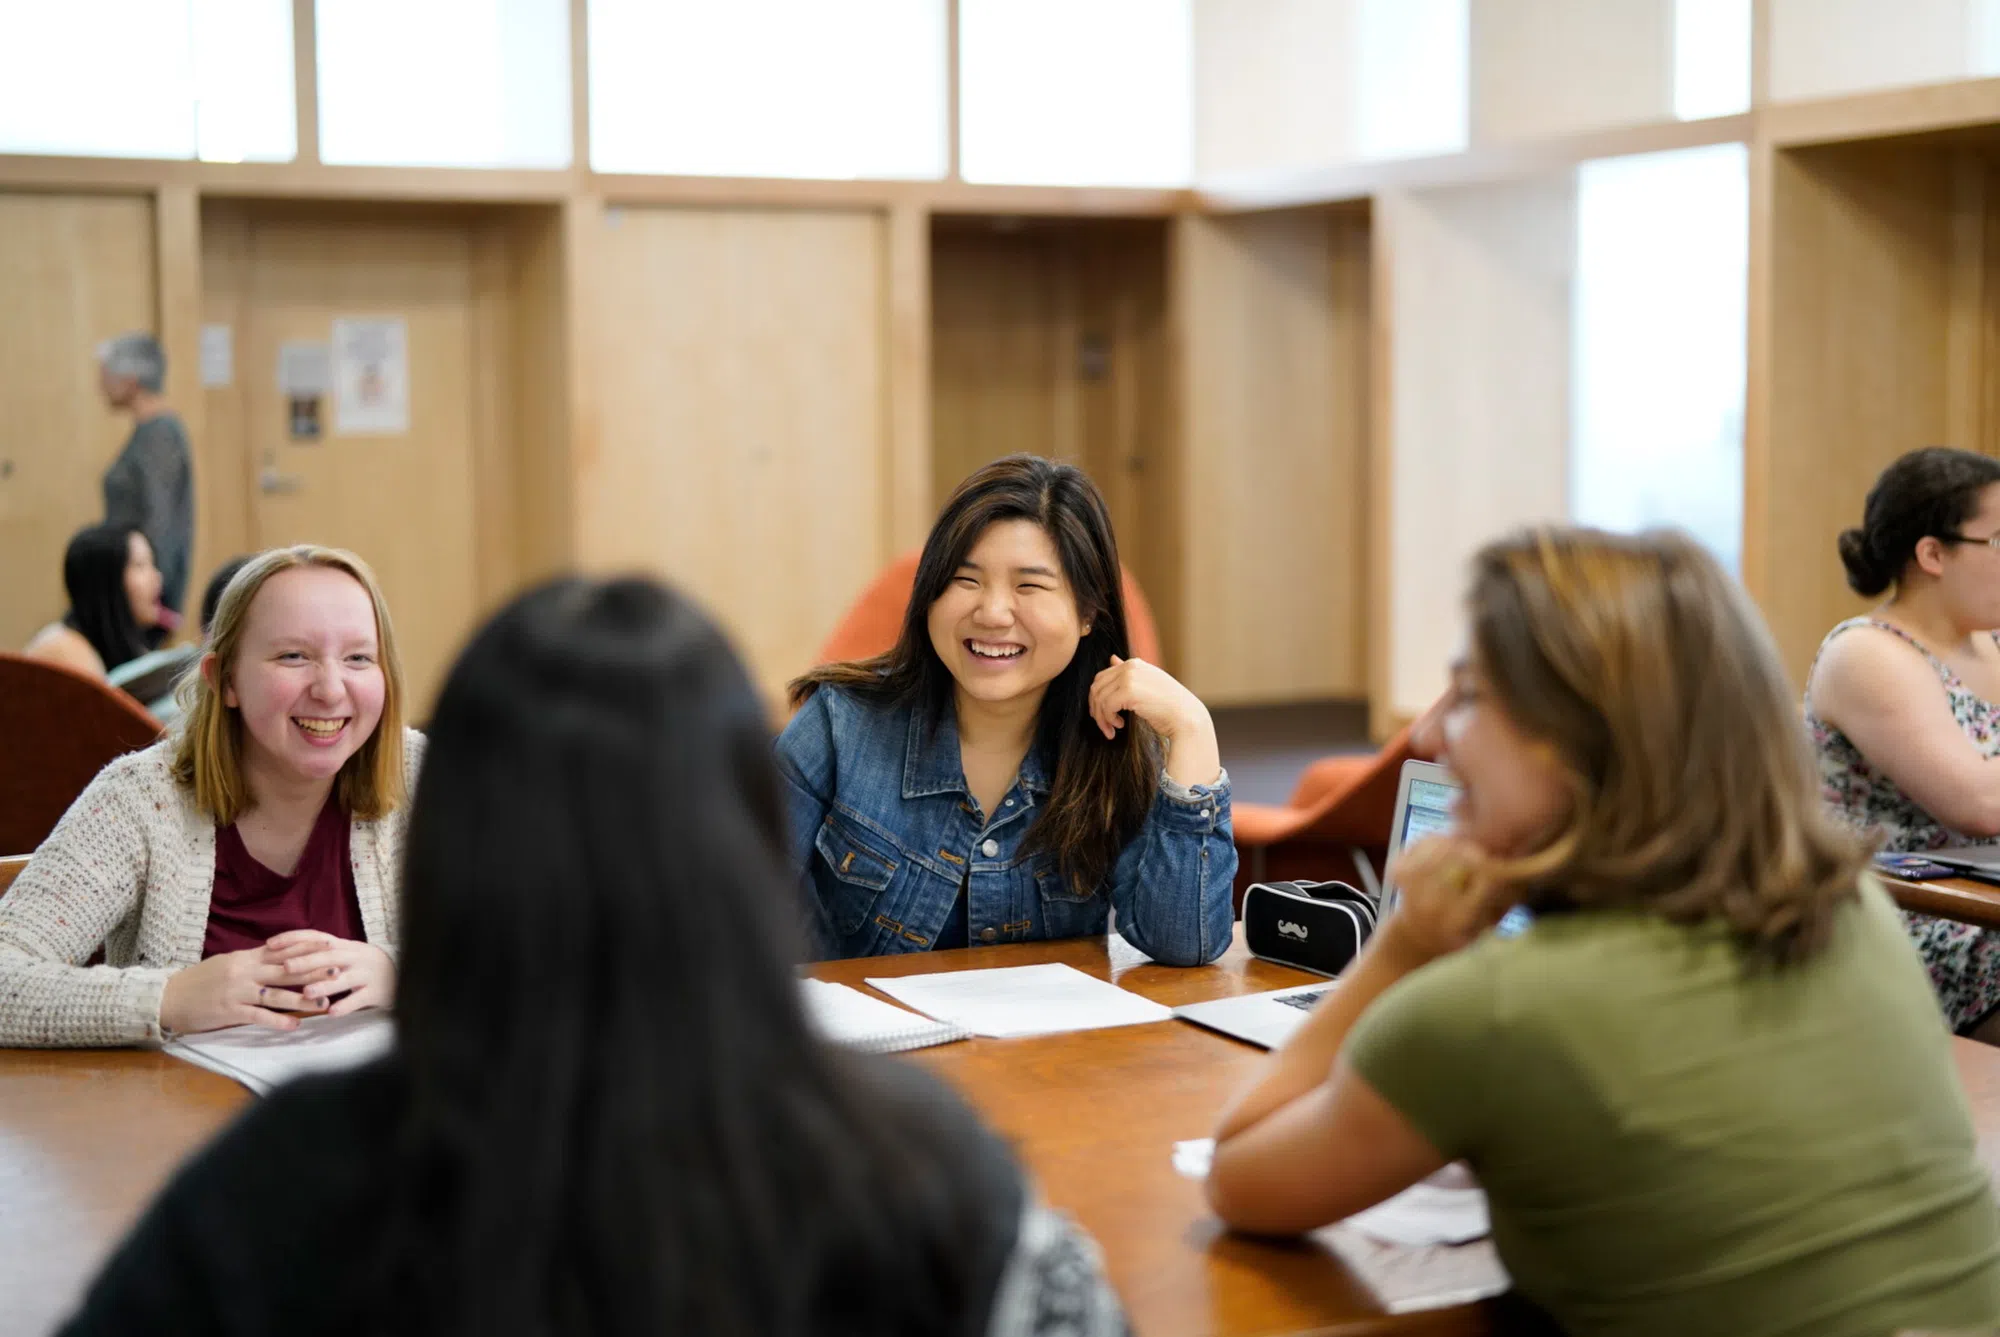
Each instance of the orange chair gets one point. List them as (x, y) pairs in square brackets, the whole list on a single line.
[(58, 729), (10, 868), (1339, 815), (873, 623)]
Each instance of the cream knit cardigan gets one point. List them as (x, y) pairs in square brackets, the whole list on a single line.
[(131, 867)]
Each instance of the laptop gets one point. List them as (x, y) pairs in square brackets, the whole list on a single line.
[(1424, 795), (1981, 862)]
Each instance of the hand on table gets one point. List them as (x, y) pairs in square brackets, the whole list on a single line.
[(332, 966), (271, 985)]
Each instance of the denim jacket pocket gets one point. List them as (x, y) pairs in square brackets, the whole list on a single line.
[(862, 866), (1069, 911)]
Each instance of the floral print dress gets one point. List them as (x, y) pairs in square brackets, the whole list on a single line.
[(1963, 960)]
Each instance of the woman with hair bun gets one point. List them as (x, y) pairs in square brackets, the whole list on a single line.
[(1904, 702)]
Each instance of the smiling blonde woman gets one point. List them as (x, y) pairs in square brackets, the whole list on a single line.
[(244, 869)]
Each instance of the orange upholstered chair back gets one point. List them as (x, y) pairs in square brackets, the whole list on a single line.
[(58, 729), (871, 626)]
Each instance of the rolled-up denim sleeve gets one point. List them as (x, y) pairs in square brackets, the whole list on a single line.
[(1171, 886), (806, 770)]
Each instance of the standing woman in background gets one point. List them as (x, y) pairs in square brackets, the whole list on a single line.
[(1704, 1087), (1904, 702), (150, 486), (607, 1112), (1007, 772), (114, 600), (244, 869)]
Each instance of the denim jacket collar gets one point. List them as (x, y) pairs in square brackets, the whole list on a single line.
[(932, 764)]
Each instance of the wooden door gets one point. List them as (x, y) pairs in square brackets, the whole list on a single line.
[(403, 501), (74, 270)]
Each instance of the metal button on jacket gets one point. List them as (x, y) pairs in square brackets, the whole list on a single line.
[(988, 934), (990, 848)]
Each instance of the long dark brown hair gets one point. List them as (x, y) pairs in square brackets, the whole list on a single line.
[(1692, 786), (1101, 789)]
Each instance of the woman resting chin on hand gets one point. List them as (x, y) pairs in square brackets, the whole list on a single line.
[(245, 868), (1704, 1086)]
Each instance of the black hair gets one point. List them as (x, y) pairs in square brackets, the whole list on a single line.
[(1927, 493), (618, 1118), (1102, 788), (217, 583), (99, 608)]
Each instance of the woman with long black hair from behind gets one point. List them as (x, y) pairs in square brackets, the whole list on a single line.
[(114, 600), (1008, 772), (607, 1113)]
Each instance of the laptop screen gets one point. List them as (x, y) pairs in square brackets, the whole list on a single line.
[(1427, 813)]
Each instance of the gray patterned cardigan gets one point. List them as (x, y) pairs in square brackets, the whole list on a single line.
[(130, 867)]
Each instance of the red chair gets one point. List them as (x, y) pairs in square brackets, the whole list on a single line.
[(875, 620), (58, 729), (1339, 815)]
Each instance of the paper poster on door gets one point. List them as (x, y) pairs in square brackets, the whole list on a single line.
[(305, 369), (371, 376)]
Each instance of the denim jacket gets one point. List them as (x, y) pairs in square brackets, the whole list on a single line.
[(885, 830)]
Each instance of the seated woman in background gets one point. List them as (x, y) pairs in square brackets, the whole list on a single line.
[(608, 1112), (1904, 703), (245, 867), (114, 599), (981, 781), (1705, 1087), (211, 598)]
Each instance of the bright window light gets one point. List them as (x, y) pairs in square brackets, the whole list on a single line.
[(1711, 58), (784, 88), (148, 79), (444, 83), (1413, 77), (1657, 369), (1076, 92)]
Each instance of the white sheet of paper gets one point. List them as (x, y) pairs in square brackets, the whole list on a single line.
[(218, 357), (262, 1058), (371, 376), (1012, 1001), (1447, 1208)]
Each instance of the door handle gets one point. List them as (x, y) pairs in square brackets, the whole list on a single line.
[(273, 483)]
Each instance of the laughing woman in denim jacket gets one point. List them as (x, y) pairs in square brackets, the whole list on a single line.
[(1007, 772)]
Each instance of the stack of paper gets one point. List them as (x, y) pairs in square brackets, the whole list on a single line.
[(850, 1017), (1425, 1248), (262, 1058), (1022, 1000)]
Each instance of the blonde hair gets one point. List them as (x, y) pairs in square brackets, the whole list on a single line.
[(1654, 681), (208, 744)]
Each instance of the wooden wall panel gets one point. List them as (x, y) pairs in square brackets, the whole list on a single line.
[(1860, 360), (75, 270), (1555, 67), (1274, 358), (1477, 438), (1053, 338), (742, 433)]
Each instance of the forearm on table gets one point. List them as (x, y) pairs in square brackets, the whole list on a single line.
[(1306, 1060)]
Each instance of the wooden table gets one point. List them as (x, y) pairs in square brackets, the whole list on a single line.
[(1958, 898), (87, 1136)]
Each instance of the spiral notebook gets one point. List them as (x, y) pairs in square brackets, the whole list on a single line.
[(849, 1017)]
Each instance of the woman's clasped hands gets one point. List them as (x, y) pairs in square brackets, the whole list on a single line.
[(296, 974)]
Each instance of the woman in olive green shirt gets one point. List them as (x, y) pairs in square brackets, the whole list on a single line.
[(1705, 1087)]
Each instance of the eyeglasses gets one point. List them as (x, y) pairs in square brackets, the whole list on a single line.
[(1993, 542)]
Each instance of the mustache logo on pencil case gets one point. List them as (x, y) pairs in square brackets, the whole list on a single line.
[(1316, 926), (1291, 930)]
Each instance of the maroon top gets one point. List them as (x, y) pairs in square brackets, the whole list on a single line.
[(251, 903)]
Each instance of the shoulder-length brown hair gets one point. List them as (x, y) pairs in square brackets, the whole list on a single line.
[(1693, 791), (1101, 789), (208, 747)]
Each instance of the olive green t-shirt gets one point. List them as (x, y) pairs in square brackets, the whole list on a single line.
[(1674, 1142)]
